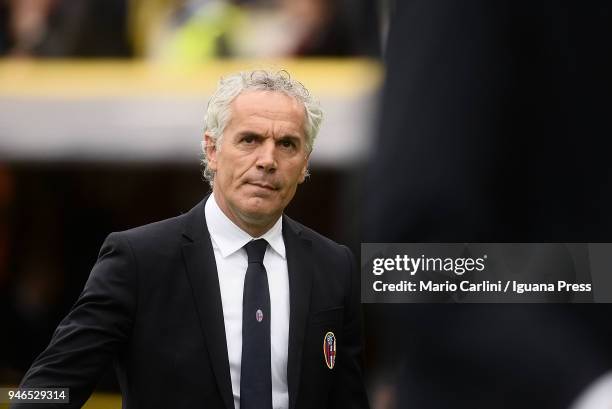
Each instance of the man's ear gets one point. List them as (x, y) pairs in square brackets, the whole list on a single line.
[(304, 170), (210, 151)]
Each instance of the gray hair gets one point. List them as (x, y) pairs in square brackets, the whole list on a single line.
[(218, 112)]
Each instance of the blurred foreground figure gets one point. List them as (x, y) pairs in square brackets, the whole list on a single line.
[(494, 128)]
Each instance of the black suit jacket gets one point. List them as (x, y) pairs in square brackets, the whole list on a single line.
[(152, 305)]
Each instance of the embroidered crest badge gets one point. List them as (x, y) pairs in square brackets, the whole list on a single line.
[(329, 349)]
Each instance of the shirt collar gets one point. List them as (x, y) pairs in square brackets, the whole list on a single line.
[(229, 238)]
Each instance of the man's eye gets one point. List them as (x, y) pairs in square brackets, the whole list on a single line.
[(287, 144), (248, 139)]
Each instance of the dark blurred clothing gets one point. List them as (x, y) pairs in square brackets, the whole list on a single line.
[(65, 28), (348, 28), (494, 129), (5, 40), (87, 28), (494, 117)]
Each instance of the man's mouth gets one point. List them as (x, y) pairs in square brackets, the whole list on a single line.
[(263, 185)]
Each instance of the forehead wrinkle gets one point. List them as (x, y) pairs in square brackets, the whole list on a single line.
[(263, 126), (273, 96), (264, 119)]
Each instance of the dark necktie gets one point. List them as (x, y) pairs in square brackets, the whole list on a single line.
[(255, 370)]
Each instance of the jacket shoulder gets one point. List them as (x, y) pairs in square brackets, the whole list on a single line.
[(155, 233), (319, 241)]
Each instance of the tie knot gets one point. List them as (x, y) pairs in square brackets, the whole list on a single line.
[(256, 250)]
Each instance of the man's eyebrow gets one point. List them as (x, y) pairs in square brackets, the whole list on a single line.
[(249, 133), (290, 136), (293, 137)]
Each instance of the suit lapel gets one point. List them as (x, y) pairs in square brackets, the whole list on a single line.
[(202, 273), (299, 265)]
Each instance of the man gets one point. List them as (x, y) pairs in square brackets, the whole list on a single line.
[(233, 304)]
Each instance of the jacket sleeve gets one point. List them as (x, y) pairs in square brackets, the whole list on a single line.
[(100, 321), (350, 391)]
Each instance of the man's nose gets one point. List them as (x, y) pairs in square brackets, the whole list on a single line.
[(266, 159)]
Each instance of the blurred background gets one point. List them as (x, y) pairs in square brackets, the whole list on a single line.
[(445, 122)]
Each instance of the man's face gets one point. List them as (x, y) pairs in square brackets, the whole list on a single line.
[(261, 160)]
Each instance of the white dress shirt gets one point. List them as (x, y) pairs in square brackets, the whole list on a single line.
[(228, 241)]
